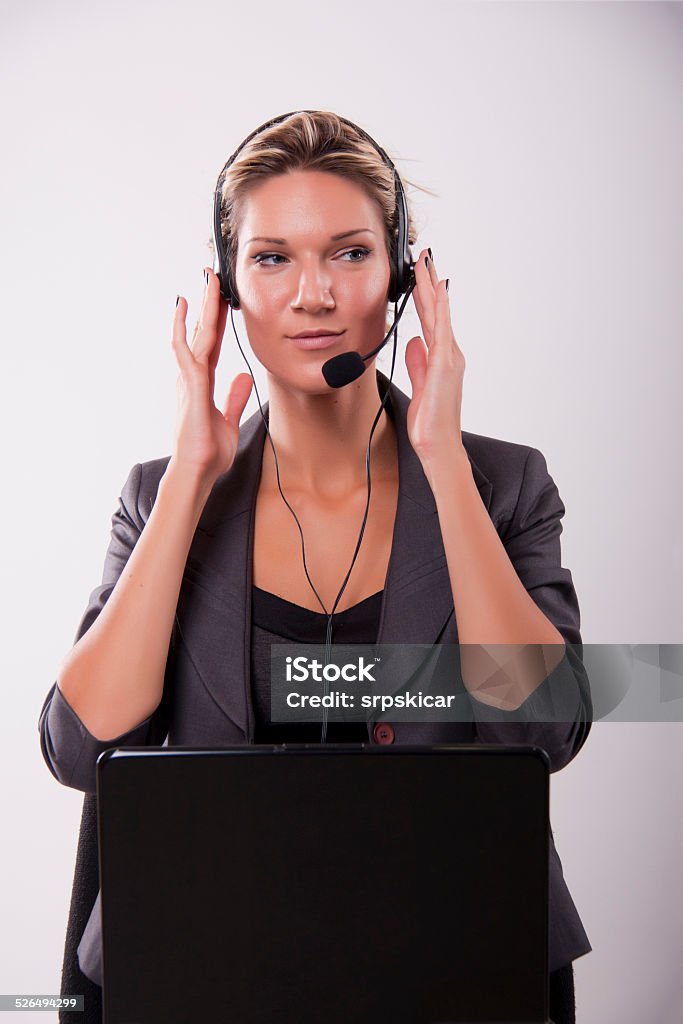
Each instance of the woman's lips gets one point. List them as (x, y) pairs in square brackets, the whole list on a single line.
[(321, 341)]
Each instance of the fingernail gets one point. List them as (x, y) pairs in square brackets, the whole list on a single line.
[(447, 280), (206, 276), (430, 253), (427, 262), (177, 299)]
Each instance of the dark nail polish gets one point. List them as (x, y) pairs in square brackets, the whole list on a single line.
[(427, 262), (447, 280), (430, 254), (177, 299)]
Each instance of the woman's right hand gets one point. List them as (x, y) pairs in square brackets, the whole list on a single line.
[(206, 437)]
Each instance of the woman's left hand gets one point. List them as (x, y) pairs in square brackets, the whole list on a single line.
[(436, 372)]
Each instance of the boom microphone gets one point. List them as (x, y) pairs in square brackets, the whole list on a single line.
[(348, 366)]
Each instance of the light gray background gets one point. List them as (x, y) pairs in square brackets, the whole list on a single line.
[(552, 133)]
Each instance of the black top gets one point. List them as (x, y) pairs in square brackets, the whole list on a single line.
[(274, 621)]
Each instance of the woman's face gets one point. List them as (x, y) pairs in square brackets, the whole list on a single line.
[(303, 278)]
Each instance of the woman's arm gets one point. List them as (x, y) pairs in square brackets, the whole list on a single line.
[(69, 748), (492, 606), (511, 595), (518, 653), (111, 683), (113, 677)]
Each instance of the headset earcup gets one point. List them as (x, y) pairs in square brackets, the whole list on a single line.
[(227, 286), (232, 289), (401, 278)]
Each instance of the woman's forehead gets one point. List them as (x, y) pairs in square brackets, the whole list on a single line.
[(288, 207)]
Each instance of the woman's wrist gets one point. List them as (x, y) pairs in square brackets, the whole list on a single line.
[(188, 486), (446, 466)]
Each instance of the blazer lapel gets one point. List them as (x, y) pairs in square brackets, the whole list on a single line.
[(417, 603), (216, 626), (218, 633)]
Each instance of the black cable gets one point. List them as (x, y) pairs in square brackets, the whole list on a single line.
[(328, 634)]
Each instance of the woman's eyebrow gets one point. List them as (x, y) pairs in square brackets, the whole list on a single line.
[(333, 238)]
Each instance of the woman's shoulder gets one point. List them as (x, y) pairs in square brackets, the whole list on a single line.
[(139, 491), (518, 475), (499, 460)]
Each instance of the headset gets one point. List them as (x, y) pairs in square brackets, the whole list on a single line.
[(342, 369)]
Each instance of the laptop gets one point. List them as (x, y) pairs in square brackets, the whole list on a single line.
[(324, 884)]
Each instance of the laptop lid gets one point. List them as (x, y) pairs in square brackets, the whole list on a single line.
[(328, 883)]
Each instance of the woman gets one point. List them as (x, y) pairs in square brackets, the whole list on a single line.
[(461, 541)]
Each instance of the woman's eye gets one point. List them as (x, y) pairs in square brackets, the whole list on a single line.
[(261, 257), (361, 249), (267, 256), (358, 249)]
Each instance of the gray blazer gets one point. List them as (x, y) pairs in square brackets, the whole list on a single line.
[(207, 694)]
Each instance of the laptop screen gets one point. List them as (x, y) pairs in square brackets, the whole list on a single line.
[(324, 883)]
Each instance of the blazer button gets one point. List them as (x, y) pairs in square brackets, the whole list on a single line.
[(383, 733)]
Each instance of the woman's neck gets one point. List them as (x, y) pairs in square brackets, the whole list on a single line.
[(321, 441)]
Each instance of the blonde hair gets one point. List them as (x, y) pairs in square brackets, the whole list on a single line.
[(311, 140)]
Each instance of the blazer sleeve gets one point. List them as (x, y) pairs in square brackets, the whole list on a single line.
[(69, 749), (558, 715)]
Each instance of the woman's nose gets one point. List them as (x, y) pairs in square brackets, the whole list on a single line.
[(313, 292)]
